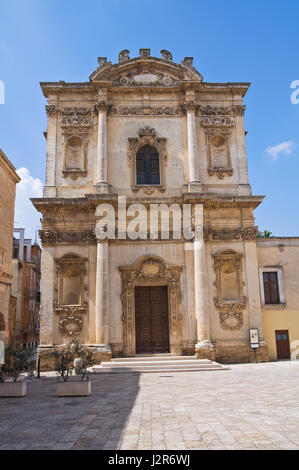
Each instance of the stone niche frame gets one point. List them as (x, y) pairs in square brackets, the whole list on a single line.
[(213, 170), (230, 311), (151, 271), (147, 136), (70, 320), (79, 128)]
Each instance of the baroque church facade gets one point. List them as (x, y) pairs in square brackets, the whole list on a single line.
[(148, 131)]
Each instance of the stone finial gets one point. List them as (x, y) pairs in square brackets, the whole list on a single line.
[(188, 61), (123, 55), (166, 55), (144, 52), (102, 61)]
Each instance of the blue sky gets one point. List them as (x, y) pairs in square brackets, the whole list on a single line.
[(256, 41)]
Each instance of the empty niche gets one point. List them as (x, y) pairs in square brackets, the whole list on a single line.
[(229, 282), (219, 151), (74, 155)]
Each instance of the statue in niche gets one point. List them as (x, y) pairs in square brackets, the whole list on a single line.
[(218, 148), (74, 158)]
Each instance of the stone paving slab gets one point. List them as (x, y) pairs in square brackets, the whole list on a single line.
[(250, 406)]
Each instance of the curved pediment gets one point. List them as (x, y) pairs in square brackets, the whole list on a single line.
[(145, 71)]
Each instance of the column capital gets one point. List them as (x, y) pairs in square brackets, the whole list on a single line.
[(101, 106), (52, 110), (190, 106)]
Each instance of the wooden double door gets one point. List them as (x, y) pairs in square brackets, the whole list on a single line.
[(151, 319)]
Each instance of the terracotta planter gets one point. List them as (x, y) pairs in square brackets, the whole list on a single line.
[(74, 389), (13, 389)]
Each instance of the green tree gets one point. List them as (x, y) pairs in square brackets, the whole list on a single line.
[(264, 234)]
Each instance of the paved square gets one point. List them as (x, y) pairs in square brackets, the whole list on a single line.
[(251, 406)]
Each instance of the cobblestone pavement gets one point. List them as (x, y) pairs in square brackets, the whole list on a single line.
[(251, 406)]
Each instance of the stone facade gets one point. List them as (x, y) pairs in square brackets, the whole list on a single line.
[(8, 181), (95, 131)]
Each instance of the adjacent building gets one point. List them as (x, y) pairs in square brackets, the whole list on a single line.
[(26, 270), (278, 261), (8, 181)]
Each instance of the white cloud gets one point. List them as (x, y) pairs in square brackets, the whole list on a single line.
[(283, 148), (25, 214)]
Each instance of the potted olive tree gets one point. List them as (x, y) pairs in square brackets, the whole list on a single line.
[(69, 384), (17, 361)]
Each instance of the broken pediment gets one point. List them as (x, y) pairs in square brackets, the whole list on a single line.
[(145, 70)]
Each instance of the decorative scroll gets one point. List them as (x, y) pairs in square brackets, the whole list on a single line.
[(230, 300), (70, 326)]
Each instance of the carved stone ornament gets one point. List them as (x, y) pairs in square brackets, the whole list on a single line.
[(76, 122), (230, 301), (70, 326), (52, 110), (146, 78), (190, 105), (71, 309), (74, 112), (151, 271), (50, 237), (240, 233), (235, 110), (166, 55), (238, 110), (231, 313), (146, 110), (102, 105), (216, 121), (146, 65), (220, 172), (147, 136)]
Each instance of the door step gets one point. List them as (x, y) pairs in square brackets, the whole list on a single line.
[(152, 364)]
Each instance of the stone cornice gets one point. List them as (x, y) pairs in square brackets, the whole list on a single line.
[(90, 201), (234, 89), (8, 166)]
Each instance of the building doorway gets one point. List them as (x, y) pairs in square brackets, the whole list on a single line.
[(151, 319), (282, 344)]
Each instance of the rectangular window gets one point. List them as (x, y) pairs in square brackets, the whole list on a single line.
[(271, 288)]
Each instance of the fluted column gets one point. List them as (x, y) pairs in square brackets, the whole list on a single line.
[(102, 108), (190, 108), (102, 294), (204, 347)]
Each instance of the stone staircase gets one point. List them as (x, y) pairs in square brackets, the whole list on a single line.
[(156, 363)]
